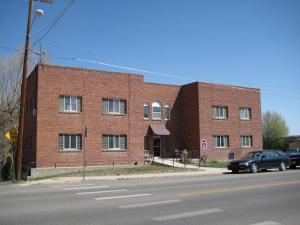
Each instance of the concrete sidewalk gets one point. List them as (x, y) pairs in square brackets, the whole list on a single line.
[(172, 162), (70, 180)]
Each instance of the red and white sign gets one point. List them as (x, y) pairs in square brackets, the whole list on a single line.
[(204, 144)]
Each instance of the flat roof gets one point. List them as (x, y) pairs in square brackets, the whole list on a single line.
[(88, 69), (154, 83)]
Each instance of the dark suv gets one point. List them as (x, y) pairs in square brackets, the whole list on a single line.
[(294, 155), (257, 160)]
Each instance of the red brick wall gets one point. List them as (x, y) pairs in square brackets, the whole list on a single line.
[(30, 125), (233, 98), (190, 119), (191, 116), (165, 94), (92, 86)]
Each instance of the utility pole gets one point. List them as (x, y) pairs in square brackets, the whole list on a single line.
[(84, 159), (23, 97), (23, 86)]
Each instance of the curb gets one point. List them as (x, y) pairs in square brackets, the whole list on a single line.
[(67, 180)]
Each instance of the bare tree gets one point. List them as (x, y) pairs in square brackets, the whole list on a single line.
[(10, 91), (275, 130), (10, 70)]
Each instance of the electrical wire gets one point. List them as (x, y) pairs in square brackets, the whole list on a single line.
[(56, 20), (80, 46), (11, 49), (264, 92), (125, 67)]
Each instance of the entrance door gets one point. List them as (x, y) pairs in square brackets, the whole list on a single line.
[(156, 146)]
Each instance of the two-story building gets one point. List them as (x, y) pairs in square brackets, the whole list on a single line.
[(107, 118)]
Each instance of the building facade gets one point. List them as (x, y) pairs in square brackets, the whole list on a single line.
[(106, 118)]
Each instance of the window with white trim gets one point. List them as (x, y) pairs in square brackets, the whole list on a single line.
[(156, 111), (71, 104), (167, 112), (245, 113), (146, 111), (70, 142), (114, 142), (246, 141), (113, 106), (221, 141), (220, 112)]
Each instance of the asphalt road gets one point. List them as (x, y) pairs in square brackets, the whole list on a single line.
[(269, 198)]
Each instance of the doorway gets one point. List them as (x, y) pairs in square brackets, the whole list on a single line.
[(156, 146)]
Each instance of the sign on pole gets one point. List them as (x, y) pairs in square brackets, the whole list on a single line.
[(12, 135)]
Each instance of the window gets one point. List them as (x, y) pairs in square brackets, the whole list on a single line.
[(167, 112), (70, 142), (221, 141), (156, 111), (114, 142), (246, 141), (113, 106), (245, 113), (70, 104), (220, 112), (146, 111)]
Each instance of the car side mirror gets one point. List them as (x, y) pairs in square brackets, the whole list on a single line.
[(263, 157)]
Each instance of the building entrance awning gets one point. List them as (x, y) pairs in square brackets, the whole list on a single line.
[(159, 129)]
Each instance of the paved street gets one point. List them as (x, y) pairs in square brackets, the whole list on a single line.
[(269, 198)]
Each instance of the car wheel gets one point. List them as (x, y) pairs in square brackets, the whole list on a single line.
[(282, 166), (254, 168), (292, 166), (235, 171)]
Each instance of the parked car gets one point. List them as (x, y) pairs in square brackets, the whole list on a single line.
[(292, 151), (294, 158), (258, 160)]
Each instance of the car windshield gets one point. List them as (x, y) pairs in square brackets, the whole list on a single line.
[(290, 151), (252, 155), (279, 152)]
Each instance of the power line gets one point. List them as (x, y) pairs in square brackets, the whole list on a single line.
[(148, 71), (125, 67), (11, 49), (264, 92), (266, 86), (17, 50), (55, 21)]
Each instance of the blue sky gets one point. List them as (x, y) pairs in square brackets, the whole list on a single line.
[(253, 43)]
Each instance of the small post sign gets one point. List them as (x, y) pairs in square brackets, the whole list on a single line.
[(230, 156), (12, 135), (204, 144)]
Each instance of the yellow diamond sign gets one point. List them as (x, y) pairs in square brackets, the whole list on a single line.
[(12, 135)]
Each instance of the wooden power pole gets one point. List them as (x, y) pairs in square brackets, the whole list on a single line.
[(23, 97)]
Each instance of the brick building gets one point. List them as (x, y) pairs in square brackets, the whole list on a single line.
[(125, 115)]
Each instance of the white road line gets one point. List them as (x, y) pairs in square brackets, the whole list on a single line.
[(122, 196), (148, 204), (188, 214), (73, 185), (267, 223), (99, 192), (82, 188)]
